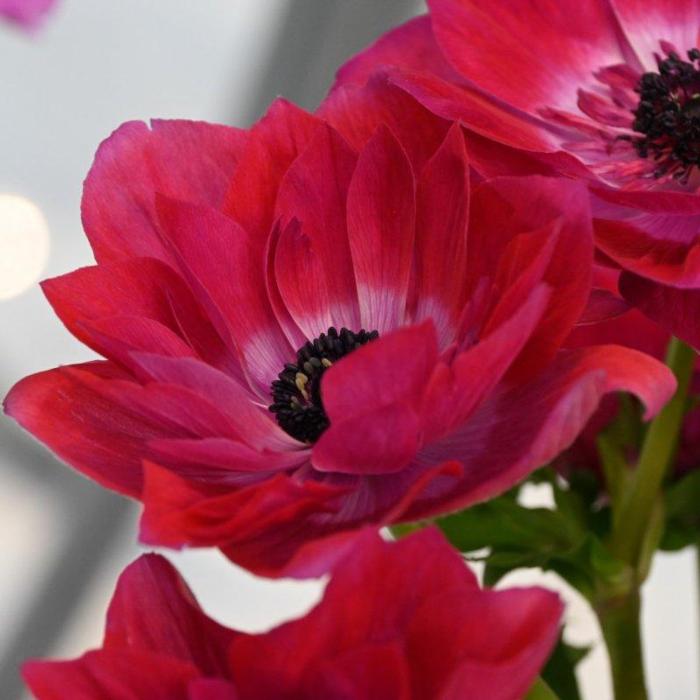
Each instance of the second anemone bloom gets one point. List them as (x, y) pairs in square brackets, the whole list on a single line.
[(304, 338)]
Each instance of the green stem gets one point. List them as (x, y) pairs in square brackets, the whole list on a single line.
[(658, 449), (619, 621), (541, 691)]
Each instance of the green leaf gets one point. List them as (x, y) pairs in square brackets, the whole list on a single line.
[(503, 523), (682, 501), (560, 671)]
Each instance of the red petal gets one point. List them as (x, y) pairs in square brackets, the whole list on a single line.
[(272, 146), (676, 310), (529, 55), (519, 430), (441, 237), (142, 288), (192, 161), (358, 111), (412, 45), (106, 675), (153, 610), (313, 267), (218, 258), (381, 221), (88, 431), (264, 527)]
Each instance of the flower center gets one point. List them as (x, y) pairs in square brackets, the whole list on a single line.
[(668, 115), (297, 390)]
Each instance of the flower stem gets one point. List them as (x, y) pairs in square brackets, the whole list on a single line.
[(541, 691), (620, 623), (658, 449)]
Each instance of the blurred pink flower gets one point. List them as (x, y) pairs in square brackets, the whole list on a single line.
[(28, 14)]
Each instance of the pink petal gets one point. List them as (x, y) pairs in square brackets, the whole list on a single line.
[(29, 14), (647, 22)]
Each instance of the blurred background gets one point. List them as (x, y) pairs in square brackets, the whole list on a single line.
[(96, 64)]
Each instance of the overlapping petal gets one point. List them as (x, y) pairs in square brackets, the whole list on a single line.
[(229, 298), (552, 87), (399, 620)]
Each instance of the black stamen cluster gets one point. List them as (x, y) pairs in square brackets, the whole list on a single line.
[(669, 116), (296, 393)]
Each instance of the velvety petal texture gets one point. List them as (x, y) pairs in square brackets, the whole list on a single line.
[(321, 324), (557, 88), (404, 620)]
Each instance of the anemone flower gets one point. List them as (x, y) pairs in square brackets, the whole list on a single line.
[(307, 334), (606, 91), (404, 621), (28, 14)]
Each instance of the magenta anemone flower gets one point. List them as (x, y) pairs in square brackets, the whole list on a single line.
[(405, 621), (606, 91), (306, 334), (28, 14)]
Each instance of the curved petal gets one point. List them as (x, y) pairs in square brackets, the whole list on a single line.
[(105, 675), (153, 610), (273, 144), (143, 288), (217, 257), (440, 266), (665, 248), (269, 527), (381, 229), (541, 418), (501, 641), (313, 267), (531, 55), (411, 45), (91, 433), (514, 221), (676, 310), (647, 22), (191, 161), (358, 111)]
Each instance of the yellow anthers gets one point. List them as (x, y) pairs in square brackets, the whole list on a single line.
[(301, 380)]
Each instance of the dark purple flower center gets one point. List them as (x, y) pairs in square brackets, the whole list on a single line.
[(668, 115), (296, 392)]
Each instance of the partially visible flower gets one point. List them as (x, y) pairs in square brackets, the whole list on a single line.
[(404, 620), (605, 91), (28, 14), (308, 333), (634, 330)]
